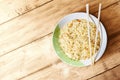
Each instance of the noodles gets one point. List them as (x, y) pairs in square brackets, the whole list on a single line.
[(73, 39)]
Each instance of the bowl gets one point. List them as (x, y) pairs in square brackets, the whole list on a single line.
[(60, 53)]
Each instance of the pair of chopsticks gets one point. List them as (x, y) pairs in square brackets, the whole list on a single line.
[(88, 26)]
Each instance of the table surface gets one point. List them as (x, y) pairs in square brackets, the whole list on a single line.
[(26, 50)]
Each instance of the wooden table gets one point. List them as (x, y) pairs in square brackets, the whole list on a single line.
[(26, 51)]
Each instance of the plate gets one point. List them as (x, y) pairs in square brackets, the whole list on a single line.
[(60, 52)]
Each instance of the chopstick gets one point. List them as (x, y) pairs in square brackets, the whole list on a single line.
[(88, 26), (98, 25)]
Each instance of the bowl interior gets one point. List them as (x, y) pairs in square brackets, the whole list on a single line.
[(61, 53)]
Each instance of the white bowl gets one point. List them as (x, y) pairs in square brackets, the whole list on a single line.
[(64, 21)]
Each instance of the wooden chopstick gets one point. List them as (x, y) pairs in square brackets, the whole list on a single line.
[(88, 26), (98, 25)]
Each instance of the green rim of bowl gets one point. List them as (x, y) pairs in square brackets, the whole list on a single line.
[(60, 52)]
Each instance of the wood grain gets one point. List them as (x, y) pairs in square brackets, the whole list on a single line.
[(113, 74), (10, 9), (31, 61), (107, 16), (37, 60), (108, 61), (62, 71), (23, 61), (29, 27)]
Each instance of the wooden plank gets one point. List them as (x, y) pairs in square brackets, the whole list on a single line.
[(27, 59), (113, 74), (108, 61), (108, 19), (62, 71), (39, 22), (23, 62), (10, 9)]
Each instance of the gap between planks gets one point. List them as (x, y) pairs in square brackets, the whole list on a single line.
[(26, 12), (104, 71), (25, 44), (58, 61), (113, 74)]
